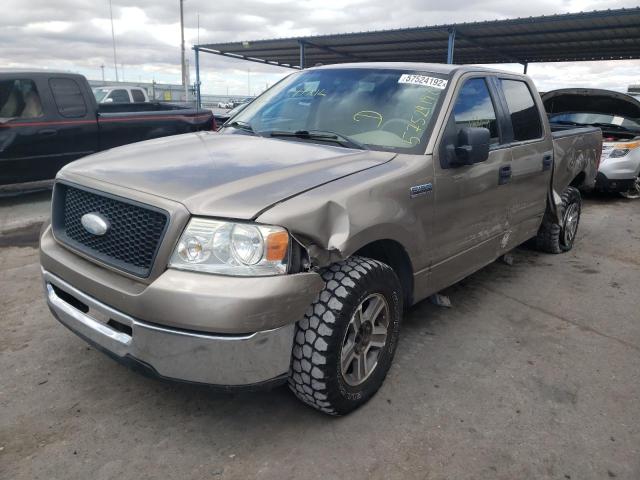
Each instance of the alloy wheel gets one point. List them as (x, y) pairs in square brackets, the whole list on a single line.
[(570, 224), (364, 339)]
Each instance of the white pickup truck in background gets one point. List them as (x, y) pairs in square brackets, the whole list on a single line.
[(120, 94)]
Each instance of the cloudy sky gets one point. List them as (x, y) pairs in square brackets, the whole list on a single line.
[(75, 35)]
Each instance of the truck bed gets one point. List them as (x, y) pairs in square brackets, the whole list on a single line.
[(575, 149)]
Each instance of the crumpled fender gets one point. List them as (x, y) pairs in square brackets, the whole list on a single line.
[(335, 220)]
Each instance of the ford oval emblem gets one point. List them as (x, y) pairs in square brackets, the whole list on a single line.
[(95, 223)]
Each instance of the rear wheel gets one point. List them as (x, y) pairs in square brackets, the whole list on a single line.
[(345, 344), (634, 192), (554, 237)]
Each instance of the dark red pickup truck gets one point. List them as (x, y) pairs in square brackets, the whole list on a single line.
[(49, 119)]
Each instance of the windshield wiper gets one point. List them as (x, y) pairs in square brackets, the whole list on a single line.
[(240, 125), (567, 122), (610, 126), (322, 135)]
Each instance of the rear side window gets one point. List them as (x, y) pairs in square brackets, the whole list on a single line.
[(525, 117), (138, 96), (19, 99), (68, 97), (119, 96), (474, 108)]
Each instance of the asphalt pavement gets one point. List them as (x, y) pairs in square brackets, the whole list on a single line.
[(533, 373)]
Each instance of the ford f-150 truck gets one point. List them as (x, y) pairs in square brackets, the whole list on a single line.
[(48, 119), (286, 246)]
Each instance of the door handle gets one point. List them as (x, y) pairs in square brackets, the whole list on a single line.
[(547, 161), (48, 132), (504, 174)]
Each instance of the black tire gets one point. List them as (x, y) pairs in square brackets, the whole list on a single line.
[(557, 238), (634, 192), (316, 375)]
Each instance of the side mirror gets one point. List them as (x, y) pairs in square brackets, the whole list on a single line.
[(108, 100), (473, 145)]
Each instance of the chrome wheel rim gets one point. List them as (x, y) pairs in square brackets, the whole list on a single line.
[(634, 192), (364, 339), (570, 229)]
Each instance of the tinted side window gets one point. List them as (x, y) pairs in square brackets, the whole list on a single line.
[(19, 99), (68, 97), (474, 108), (138, 96), (119, 96), (524, 114)]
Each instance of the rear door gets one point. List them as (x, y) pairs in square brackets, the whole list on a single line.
[(532, 157), (470, 200), (34, 134), (77, 131)]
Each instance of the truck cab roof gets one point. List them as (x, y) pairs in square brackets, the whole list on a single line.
[(443, 68)]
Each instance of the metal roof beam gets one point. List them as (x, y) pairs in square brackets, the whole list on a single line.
[(248, 59), (475, 42), (561, 31), (395, 53), (330, 50)]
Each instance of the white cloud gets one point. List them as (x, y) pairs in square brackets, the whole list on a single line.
[(55, 26), (76, 35)]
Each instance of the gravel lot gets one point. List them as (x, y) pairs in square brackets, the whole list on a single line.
[(533, 374)]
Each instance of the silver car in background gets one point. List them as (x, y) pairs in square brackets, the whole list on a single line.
[(618, 115)]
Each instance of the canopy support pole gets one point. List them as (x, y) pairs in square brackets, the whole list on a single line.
[(301, 45), (197, 52), (452, 39)]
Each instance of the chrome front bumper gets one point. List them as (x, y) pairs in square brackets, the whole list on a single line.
[(224, 360)]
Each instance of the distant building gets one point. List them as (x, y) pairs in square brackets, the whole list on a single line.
[(633, 89)]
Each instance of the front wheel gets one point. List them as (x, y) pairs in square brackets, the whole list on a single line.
[(345, 344), (554, 237), (634, 192)]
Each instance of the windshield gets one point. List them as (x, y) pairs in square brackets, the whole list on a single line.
[(586, 118), (383, 109), (100, 93), (238, 109)]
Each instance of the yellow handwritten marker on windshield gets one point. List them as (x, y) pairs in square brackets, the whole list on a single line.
[(368, 114)]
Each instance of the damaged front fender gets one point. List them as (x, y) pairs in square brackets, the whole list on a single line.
[(335, 220)]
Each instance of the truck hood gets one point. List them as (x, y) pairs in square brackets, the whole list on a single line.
[(593, 100), (232, 176)]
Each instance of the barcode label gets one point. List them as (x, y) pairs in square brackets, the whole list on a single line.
[(423, 80)]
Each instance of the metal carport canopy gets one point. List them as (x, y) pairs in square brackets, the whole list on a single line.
[(597, 35)]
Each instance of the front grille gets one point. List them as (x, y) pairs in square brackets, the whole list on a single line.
[(133, 237)]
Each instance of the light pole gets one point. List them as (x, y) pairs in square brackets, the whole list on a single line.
[(113, 38), (185, 82)]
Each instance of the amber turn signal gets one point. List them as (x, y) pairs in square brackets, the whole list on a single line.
[(277, 244)]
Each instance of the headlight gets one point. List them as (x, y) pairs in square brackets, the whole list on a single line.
[(619, 152), (244, 249), (622, 149)]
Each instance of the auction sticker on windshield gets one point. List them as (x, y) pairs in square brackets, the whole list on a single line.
[(423, 80)]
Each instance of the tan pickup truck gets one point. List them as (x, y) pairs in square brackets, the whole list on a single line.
[(285, 247)]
